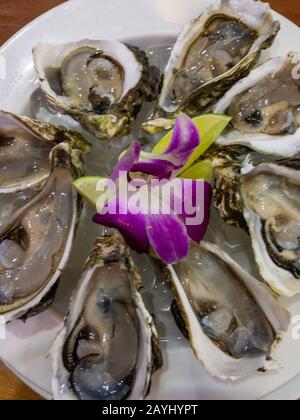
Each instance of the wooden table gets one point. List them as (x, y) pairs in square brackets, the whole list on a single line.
[(14, 14)]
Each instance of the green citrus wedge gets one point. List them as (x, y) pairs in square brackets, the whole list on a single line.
[(200, 170), (210, 127), (89, 187)]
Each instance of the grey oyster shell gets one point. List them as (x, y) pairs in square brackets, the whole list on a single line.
[(264, 108), (262, 197), (232, 320), (108, 348), (25, 146), (36, 240), (101, 84), (270, 194), (227, 166), (211, 55)]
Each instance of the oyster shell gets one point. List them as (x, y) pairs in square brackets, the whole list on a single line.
[(108, 348), (262, 197), (102, 84), (232, 320), (25, 146), (265, 108), (36, 240), (271, 198), (227, 166), (211, 54)]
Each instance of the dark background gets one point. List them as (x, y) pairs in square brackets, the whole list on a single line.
[(14, 14)]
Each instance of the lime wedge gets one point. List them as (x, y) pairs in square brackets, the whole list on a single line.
[(200, 170), (210, 127), (89, 187)]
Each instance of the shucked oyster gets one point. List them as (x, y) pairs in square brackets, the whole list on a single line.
[(211, 54), (265, 108), (108, 348), (36, 240), (271, 198), (25, 146), (232, 320), (263, 197), (102, 84)]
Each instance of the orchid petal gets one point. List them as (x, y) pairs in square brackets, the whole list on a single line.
[(197, 232), (168, 237), (132, 227), (184, 141), (167, 231), (195, 197), (160, 169), (127, 161)]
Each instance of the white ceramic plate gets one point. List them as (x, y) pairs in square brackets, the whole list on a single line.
[(26, 348)]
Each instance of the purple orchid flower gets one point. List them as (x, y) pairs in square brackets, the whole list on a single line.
[(179, 216)]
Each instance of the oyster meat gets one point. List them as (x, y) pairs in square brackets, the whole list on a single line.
[(13, 202), (265, 108), (263, 198), (211, 54), (271, 198), (102, 84), (25, 146), (108, 348), (36, 240), (232, 320)]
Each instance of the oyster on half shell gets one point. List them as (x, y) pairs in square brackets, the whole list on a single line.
[(232, 320), (265, 108), (108, 348), (263, 198), (25, 146), (270, 194), (212, 54), (36, 240), (102, 84)]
